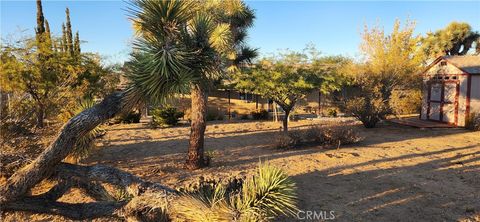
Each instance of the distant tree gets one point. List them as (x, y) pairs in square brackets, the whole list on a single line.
[(63, 42), (391, 62), (285, 79), (40, 29), (76, 45), (69, 35), (52, 80), (455, 39), (330, 71)]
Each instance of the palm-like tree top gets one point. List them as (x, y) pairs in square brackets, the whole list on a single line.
[(180, 42)]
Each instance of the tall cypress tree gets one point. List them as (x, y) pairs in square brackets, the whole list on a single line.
[(69, 33), (40, 29), (64, 39), (48, 36), (76, 45)]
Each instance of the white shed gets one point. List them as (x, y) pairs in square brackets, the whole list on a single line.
[(451, 89)]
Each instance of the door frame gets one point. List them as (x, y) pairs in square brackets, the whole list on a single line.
[(442, 99)]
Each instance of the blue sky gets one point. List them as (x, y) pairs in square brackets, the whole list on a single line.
[(334, 27)]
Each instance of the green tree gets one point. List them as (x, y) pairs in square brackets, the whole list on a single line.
[(455, 39), (194, 42), (52, 80), (63, 42), (76, 45), (285, 79), (391, 62), (69, 35)]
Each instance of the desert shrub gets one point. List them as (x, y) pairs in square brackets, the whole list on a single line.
[(406, 101), (332, 112), (473, 122), (260, 115), (234, 114), (288, 140), (340, 136), (244, 117), (316, 136), (369, 109), (214, 114), (262, 197), (16, 122), (208, 156), (131, 117), (127, 118), (167, 116)]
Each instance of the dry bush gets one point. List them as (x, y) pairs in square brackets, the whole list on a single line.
[(316, 136), (260, 115), (340, 135), (288, 140), (473, 122), (20, 148), (406, 101)]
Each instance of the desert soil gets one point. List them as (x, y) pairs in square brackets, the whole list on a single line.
[(396, 173)]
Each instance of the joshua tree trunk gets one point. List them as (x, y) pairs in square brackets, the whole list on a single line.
[(199, 98), (42, 167), (149, 199)]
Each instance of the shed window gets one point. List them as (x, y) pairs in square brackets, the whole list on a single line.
[(443, 63), (454, 77)]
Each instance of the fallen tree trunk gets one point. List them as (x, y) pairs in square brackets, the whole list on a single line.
[(24, 179), (148, 200)]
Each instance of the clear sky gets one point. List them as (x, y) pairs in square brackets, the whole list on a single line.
[(334, 27)]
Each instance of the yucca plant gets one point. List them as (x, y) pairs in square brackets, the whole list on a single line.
[(262, 197)]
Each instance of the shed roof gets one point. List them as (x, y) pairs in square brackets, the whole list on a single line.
[(467, 63)]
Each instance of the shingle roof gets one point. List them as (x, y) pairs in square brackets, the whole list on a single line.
[(469, 64)]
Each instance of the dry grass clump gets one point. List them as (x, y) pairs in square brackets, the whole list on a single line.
[(262, 197), (287, 140), (316, 136)]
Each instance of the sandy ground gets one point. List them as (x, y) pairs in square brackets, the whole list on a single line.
[(396, 173)]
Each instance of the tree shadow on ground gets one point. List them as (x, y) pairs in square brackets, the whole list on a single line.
[(446, 189), (237, 150), (261, 139)]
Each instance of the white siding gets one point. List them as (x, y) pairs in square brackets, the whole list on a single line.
[(462, 98), (447, 69)]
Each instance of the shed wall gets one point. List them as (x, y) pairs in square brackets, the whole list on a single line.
[(475, 94), (462, 100)]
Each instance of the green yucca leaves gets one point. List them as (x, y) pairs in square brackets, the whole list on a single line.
[(182, 42), (269, 193)]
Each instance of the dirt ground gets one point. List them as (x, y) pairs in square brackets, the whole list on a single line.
[(396, 173)]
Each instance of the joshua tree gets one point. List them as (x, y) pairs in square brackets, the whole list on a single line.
[(182, 47), (455, 39), (197, 41)]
